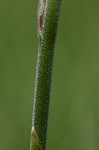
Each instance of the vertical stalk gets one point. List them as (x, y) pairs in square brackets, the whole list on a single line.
[(48, 15)]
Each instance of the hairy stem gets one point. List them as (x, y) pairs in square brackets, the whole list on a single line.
[(48, 15)]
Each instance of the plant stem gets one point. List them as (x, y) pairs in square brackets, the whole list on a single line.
[(48, 15)]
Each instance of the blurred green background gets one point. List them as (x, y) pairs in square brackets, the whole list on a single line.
[(74, 106)]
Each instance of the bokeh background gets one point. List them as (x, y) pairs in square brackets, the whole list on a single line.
[(74, 106)]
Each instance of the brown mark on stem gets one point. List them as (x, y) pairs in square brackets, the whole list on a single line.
[(41, 16)]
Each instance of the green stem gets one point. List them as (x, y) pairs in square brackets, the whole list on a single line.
[(48, 15)]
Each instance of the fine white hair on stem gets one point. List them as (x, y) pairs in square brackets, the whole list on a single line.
[(48, 15)]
